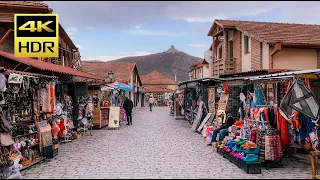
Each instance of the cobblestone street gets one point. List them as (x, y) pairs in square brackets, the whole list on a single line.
[(155, 146)]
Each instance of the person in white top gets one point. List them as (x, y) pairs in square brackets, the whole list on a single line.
[(150, 101)]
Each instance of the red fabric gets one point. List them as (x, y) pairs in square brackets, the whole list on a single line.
[(265, 111), (295, 122), (308, 83), (62, 128), (284, 134)]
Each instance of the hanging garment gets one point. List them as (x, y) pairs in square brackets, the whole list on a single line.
[(314, 139), (300, 98), (52, 98), (259, 97), (271, 117), (307, 126), (270, 94), (283, 129), (295, 122)]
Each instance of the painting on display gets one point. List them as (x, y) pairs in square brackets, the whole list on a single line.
[(114, 117), (211, 99)]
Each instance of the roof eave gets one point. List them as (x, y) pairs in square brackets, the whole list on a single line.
[(64, 35)]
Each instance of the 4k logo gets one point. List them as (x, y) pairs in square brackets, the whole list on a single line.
[(36, 35)]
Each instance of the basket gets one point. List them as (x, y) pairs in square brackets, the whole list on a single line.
[(26, 163)]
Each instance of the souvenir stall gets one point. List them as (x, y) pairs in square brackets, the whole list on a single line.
[(276, 113), (99, 96), (26, 136), (116, 96)]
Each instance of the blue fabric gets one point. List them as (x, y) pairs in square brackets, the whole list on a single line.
[(259, 96), (306, 126)]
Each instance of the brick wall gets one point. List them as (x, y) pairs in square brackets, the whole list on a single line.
[(256, 54), (237, 50), (318, 58)]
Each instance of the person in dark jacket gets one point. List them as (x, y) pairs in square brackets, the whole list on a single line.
[(223, 130), (128, 106)]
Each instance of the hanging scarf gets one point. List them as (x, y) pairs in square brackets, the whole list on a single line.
[(300, 98)]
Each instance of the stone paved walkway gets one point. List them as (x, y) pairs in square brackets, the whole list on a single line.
[(155, 146)]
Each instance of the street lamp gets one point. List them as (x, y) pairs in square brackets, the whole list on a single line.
[(111, 76)]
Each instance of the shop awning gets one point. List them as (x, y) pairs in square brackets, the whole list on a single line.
[(119, 85), (158, 90), (47, 66), (8, 71)]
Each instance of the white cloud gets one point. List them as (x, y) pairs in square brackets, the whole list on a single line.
[(109, 58), (198, 45), (155, 33), (71, 31), (137, 26), (79, 46), (91, 27)]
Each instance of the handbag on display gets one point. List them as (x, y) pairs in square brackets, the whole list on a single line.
[(15, 78)]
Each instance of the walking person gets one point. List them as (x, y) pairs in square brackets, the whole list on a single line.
[(128, 106), (151, 102)]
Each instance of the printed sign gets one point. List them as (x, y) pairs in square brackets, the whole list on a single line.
[(36, 35), (223, 101), (114, 117)]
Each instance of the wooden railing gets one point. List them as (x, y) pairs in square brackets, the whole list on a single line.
[(224, 66)]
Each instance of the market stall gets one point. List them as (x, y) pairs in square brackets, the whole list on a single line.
[(116, 98), (27, 101), (264, 117), (99, 95)]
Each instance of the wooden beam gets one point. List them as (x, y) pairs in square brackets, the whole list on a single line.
[(5, 36), (276, 49)]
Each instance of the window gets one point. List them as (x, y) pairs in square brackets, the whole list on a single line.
[(220, 52), (230, 53), (247, 44), (199, 70)]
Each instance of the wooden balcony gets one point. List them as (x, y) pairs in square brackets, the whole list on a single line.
[(224, 66)]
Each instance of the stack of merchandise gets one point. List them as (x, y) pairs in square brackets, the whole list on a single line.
[(242, 153)]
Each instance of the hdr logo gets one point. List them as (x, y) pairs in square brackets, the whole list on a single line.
[(36, 35)]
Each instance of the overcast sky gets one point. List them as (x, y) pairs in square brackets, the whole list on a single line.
[(111, 30)]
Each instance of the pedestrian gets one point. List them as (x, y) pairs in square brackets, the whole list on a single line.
[(151, 101), (128, 106)]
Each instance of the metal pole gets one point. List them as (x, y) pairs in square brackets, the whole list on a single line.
[(175, 106)]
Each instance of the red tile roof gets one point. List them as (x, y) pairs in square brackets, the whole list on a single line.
[(200, 64), (122, 70), (272, 32), (28, 5), (47, 66), (157, 78), (156, 89)]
